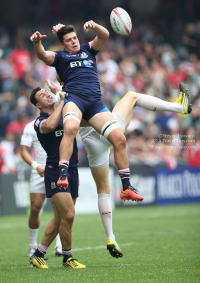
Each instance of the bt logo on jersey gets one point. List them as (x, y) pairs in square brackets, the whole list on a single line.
[(75, 64), (88, 63), (59, 133)]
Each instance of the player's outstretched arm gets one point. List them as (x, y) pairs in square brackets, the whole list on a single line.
[(52, 122), (102, 34), (47, 57)]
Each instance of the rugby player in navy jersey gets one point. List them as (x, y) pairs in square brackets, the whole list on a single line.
[(76, 67), (49, 129)]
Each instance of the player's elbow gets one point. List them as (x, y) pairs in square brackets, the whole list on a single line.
[(51, 127), (108, 34), (45, 58)]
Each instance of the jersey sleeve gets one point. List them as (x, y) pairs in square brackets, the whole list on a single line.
[(37, 124), (89, 48), (27, 137), (57, 60)]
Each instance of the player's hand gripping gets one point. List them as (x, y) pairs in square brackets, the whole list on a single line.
[(36, 37), (89, 25), (56, 28), (40, 170), (62, 95), (52, 86)]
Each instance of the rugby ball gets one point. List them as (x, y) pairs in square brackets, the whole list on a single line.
[(120, 21)]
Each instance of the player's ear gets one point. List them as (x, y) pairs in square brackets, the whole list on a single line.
[(38, 106), (62, 45)]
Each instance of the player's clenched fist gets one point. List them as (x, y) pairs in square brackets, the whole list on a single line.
[(36, 37), (89, 25)]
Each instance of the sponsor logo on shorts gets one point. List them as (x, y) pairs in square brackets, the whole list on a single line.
[(53, 185)]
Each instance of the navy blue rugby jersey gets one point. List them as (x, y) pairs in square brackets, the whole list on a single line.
[(51, 142), (78, 72)]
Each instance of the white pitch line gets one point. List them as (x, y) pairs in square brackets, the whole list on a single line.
[(98, 247)]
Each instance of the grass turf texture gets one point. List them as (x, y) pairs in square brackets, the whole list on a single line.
[(160, 244)]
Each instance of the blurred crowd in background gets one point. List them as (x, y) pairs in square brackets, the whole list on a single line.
[(162, 51)]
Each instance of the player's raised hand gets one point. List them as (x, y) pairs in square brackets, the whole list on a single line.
[(52, 86), (56, 28), (89, 25), (36, 37)]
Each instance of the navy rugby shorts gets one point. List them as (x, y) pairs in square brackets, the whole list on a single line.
[(88, 107), (51, 176)]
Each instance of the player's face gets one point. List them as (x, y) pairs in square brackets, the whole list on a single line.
[(71, 43), (44, 98)]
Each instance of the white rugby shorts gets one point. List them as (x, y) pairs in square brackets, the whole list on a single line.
[(98, 147), (37, 185)]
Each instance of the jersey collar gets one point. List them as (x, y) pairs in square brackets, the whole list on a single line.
[(43, 114)]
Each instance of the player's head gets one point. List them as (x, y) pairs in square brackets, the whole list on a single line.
[(41, 98), (68, 39)]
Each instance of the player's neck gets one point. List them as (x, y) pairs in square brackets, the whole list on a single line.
[(48, 110)]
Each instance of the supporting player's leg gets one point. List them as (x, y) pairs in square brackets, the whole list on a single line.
[(58, 246), (71, 120), (101, 178), (37, 259), (65, 206), (37, 201)]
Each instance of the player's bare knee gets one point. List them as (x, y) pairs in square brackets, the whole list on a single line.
[(68, 217), (71, 130), (133, 96), (117, 139), (35, 209), (121, 141)]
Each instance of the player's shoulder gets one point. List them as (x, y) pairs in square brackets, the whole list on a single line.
[(87, 47), (29, 127), (37, 122), (60, 53)]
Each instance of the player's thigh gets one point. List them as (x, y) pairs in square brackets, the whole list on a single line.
[(98, 149), (37, 200), (64, 204), (37, 184), (101, 178), (72, 107), (126, 106), (100, 119)]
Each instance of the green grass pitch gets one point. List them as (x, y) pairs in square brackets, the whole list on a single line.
[(160, 244)]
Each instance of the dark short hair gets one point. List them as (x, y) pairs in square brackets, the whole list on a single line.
[(32, 96), (64, 30)]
